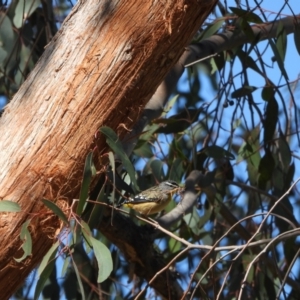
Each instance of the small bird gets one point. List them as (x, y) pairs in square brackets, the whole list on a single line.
[(154, 199)]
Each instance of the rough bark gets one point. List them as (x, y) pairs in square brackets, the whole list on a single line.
[(100, 69)]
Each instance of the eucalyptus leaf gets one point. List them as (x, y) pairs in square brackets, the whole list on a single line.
[(56, 210), (88, 173), (192, 220), (7, 37), (79, 281), (9, 206), (97, 212), (87, 234), (25, 236), (211, 30), (271, 117), (297, 37), (45, 272), (247, 15), (23, 11), (217, 152), (279, 60), (281, 42), (243, 91), (115, 144), (104, 260), (113, 168), (266, 167), (48, 257)]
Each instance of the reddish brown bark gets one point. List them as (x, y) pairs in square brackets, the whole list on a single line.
[(100, 69)]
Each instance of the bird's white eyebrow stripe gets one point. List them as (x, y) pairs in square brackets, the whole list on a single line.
[(172, 184)]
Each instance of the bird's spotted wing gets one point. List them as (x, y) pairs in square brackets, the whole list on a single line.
[(140, 198)]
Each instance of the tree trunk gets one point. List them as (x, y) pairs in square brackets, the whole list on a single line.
[(100, 69)]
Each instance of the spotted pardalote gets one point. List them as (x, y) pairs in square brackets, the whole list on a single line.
[(154, 199)]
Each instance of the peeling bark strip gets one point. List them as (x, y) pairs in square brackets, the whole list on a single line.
[(100, 69)]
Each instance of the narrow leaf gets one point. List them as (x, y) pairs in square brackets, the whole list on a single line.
[(97, 212), (79, 281), (23, 10), (52, 206), (247, 61), (279, 60), (270, 121), (266, 167), (113, 167), (174, 246), (103, 256), (147, 135), (7, 37), (217, 152), (290, 176), (48, 257), (87, 234), (246, 28), (192, 220), (143, 149), (217, 62), (210, 30), (178, 122), (65, 266), (281, 41), (247, 15), (297, 37), (243, 91), (177, 170), (284, 154), (267, 92), (247, 258), (286, 210), (25, 236), (44, 276), (87, 178), (206, 216), (154, 167), (116, 146), (270, 286), (9, 206), (250, 151)]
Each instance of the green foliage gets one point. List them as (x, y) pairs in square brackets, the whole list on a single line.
[(179, 122), (270, 121), (243, 91), (22, 41), (115, 144), (97, 211), (9, 206), (247, 15), (56, 210), (45, 269), (279, 52), (104, 260), (297, 37), (23, 10), (217, 152), (210, 30), (25, 236), (77, 235), (88, 173)]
